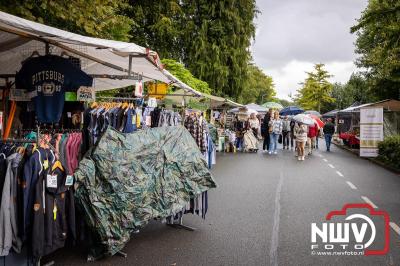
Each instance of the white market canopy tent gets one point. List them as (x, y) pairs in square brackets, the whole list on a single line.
[(113, 64), (252, 106), (217, 102), (214, 102), (388, 105)]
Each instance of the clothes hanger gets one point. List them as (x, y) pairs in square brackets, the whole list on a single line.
[(21, 150), (58, 165), (94, 105)]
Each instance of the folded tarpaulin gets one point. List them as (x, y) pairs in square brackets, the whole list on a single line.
[(129, 179)]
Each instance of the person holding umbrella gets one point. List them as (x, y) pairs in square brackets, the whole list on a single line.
[(312, 135), (302, 132), (301, 139), (319, 124)]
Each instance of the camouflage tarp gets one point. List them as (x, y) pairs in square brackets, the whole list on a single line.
[(129, 179)]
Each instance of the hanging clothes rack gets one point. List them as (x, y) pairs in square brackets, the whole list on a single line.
[(118, 98)]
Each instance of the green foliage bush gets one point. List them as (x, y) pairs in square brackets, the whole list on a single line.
[(389, 151)]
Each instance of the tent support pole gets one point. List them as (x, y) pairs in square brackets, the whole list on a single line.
[(47, 48), (122, 254), (180, 225), (130, 65)]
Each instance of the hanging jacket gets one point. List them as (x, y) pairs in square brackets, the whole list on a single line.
[(54, 213), (32, 169), (8, 211), (130, 125)]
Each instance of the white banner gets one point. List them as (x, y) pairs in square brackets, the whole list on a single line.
[(371, 131)]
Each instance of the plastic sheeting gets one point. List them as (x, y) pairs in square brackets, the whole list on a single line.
[(129, 179)]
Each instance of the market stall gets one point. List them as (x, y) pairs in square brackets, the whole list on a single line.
[(348, 120), (47, 74), (260, 109)]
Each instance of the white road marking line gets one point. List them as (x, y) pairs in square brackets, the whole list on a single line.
[(339, 174), (351, 185), (367, 200), (273, 252), (331, 166), (325, 160), (395, 227)]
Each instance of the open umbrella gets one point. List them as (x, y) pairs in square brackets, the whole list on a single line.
[(272, 105), (291, 110), (312, 112), (305, 119), (317, 120)]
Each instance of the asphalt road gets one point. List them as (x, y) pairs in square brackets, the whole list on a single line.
[(261, 214)]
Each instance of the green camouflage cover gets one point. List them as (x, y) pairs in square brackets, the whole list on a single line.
[(129, 179)]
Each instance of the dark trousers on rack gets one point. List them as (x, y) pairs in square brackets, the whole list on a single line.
[(266, 142)]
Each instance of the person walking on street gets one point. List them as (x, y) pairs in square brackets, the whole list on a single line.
[(312, 135), (292, 137), (286, 132), (265, 131), (329, 130), (301, 139), (275, 130)]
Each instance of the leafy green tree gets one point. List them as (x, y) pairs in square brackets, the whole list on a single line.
[(378, 44), (178, 70), (158, 26), (355, 90), (98, 18), (358, 89), (259, 87), (284, 102), (211, 38), (316, 89)]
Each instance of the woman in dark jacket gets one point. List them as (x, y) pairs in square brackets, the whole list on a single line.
[(265, 131)]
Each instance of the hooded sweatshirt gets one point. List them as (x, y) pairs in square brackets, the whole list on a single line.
[(8, 211)]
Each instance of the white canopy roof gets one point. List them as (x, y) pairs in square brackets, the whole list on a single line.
[(19, 38), (252, 106)]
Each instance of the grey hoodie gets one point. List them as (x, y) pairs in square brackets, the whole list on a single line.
[(8, 211)]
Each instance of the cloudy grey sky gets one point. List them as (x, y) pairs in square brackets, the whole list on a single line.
[(292, 35)]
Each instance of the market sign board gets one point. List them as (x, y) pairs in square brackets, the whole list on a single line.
[(86, 94), (371, 131), (157, 90)]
